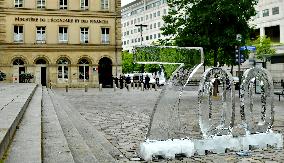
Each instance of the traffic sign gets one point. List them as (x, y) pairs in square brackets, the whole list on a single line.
[(250, 48)]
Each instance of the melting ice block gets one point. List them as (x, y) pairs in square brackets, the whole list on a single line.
[(167, 149), (215, 144)]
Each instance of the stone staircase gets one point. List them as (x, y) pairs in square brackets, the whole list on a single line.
[(37, 125), (14, 101)]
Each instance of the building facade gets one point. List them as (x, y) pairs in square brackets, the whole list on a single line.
[(145, 13), (60, 42), (269, 21)]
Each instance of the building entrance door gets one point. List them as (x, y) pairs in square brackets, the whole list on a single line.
[(43, 76), (105, 72), (41, 72), (21, 71)]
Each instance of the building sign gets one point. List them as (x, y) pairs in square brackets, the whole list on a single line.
[(60, 20)]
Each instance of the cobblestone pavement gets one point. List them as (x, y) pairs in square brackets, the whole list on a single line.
[(124, 117)]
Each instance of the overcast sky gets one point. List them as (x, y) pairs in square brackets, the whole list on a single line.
[(125, 2)]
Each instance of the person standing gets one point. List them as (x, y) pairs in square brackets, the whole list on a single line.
[(121, 81), (128, 80), (116, 81), (147, 81), (157, 79)]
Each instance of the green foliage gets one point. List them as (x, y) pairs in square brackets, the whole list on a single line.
[(263, 48), (211, 24), (127, 62), (158, 54), (26, 77), (2, 76), (128, 66), (167, 54)]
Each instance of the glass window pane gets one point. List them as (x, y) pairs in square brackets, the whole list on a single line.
[(65, 72), (60, 72), (86, 72), (81, 72)]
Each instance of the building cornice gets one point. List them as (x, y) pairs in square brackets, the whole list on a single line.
[(136, 2), (57, 47), (101, 14)]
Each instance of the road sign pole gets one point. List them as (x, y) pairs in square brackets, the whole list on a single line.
[(239, 69)]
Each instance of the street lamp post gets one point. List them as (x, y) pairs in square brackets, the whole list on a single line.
[(141, 29), (239, 39)]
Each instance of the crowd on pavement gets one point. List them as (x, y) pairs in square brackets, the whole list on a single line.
[(141, 80)]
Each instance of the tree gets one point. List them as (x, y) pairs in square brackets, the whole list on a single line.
[(263, 48), (127, 62), (211, 24)]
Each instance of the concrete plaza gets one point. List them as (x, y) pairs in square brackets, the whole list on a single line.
[(123, 117), (101, 126)]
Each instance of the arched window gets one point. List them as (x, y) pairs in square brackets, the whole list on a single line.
[(41, 61), (18, 62), (84, 69), (63, 68)]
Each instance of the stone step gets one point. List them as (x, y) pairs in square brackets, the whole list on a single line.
[(79, 149), (103, 150), (55, 148), (26, 145), (15, 101)]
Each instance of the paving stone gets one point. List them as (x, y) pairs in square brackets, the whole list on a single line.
[(124, 117)]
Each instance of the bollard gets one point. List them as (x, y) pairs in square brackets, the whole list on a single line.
[(133, 86), (156, 87), (142, 86), (128, 87), (150, 87), (138, 85), (101, 87), (66, 88), (86, 88)]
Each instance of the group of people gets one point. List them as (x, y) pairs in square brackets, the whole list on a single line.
[(119, 82), (123, 81)]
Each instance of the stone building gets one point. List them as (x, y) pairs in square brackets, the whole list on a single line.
[(74, 42)]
